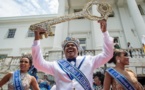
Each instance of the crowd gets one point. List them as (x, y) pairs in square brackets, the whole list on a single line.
[(75, 72)]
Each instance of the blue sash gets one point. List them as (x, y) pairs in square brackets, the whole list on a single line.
[(33, 72), (74, 72), (30, 71), (17, 80), (121, 79)]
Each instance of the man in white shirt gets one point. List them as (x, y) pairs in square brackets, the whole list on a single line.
[(79, 75), (129, 49)]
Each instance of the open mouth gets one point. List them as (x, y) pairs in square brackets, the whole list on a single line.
[(70, 50), (22, 66)]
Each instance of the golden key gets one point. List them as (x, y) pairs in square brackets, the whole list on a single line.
[(103, 8)]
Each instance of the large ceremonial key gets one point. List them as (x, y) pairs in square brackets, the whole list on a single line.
[(103, 8)]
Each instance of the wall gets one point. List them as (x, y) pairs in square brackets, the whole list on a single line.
[(15, 46)]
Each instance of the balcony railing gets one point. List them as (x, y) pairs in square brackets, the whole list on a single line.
[(136, 52), (55, 55), (11, 63)]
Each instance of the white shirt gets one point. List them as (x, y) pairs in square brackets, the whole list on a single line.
[(143, 39), (53, 87), (63, 82)]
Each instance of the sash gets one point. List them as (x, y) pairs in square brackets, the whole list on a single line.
[(74, 72), (33, 72), (121, 79), (17, 80), (31, 69)]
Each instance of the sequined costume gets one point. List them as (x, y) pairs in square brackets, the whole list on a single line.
[(132, 79), (25, 77)]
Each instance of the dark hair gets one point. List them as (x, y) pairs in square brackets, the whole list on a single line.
[(29, 56), (117, 52), (100, 76)]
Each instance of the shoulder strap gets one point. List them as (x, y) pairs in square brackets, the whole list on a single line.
[(74, 72), (121, 79)]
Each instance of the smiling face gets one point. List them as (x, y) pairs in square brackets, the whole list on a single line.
[(71, 51), (24, 64)]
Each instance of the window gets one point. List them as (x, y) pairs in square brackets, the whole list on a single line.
[(3, 56), (30, 33), (142, 12), (112, 14), (82, 40), (83, 43), (11, 33)]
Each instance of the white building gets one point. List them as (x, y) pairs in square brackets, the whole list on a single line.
[(126, 23)]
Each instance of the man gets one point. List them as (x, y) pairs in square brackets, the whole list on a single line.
[(116, 45), (143, 42), (80, 75), (44, 83), (129, 49)]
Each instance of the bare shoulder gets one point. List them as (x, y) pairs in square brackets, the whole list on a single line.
[(107, 75), (9, 74), (131, 72), (32, 78)]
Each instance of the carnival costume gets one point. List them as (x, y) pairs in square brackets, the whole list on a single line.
[(24, 80), (121, 82)]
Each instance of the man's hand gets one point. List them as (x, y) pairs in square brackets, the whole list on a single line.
[(38, 33), (103, 25)]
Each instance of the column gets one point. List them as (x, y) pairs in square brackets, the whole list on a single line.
[(59, 27), (137, 17), (97, 37), (126, 26)]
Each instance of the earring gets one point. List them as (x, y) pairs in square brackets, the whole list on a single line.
[(118, 61)]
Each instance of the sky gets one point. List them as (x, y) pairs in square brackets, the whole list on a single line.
[(10, 8)]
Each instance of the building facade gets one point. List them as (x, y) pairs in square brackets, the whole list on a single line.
[(126, 23)]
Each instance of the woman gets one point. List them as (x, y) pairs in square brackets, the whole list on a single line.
[(44, 84), (20, 79), (119, 77)]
